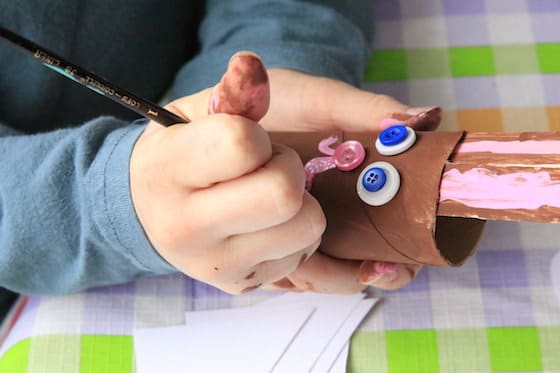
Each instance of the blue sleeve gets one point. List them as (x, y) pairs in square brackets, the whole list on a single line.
[(328, 38), (66, 216)]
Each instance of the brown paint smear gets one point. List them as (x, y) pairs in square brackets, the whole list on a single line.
[(244, 89), (426, 121), (250, 288)]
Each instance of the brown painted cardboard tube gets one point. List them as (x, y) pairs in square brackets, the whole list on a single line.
[(404, 230)]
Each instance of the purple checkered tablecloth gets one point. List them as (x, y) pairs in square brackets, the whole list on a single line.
[(492, 65)]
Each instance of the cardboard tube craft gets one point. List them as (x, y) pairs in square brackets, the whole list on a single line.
[(422, 197), (400, 195)]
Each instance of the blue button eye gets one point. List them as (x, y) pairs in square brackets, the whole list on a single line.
[(393, 135), (374, 179), (378, 183), (395, 139)]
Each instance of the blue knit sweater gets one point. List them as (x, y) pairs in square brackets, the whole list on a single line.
[(66, 217)]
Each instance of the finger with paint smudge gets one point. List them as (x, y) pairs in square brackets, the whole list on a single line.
[(222, 203), (244, 89)]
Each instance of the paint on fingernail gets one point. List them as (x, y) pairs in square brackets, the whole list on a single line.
[(413, 111), (284, 283), (428, 120), (250, 275), (424, 119), (386, 267), (367, 268), (308, 286), (251, 288), (371, 271)]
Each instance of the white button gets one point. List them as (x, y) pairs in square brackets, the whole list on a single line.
[(387, 192), (401, 144)]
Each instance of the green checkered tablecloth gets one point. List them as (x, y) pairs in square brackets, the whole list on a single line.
[(492, 65)]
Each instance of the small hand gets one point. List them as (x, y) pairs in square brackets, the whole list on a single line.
[(301, 102), (218, 201)]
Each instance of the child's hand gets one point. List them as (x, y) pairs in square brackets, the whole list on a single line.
[(193, 223), (216, 198), (222, 204), (302, 102)]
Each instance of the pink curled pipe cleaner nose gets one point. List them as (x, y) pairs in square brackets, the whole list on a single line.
[(346, 157)]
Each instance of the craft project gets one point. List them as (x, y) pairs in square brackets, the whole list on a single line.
[(435, 191), (401, 195)]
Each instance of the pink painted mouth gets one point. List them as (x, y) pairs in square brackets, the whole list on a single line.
[(482, 188)]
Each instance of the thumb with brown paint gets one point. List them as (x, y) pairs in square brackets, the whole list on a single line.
[(215, 197)]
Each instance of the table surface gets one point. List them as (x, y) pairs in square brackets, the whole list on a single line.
[(493, 66)]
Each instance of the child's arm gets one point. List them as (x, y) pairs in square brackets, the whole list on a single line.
[(323, 38), (94, 237), (214, 197), (66, 219)]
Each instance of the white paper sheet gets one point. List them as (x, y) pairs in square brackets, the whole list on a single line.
[(229, 340), (289, 333), (341, 362), (333, 349), (330, 313)]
